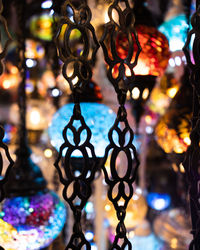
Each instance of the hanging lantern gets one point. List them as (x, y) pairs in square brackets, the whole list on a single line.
[(97, 116), (152, 62), (34, 50), (135, 213), (39, 112), (140, 93), (161, 97), (153, 59), (173, 129), (173, 227), (42, 27), (31, 222), (175, 29)]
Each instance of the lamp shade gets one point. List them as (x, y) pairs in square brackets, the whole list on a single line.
[(175, 29), (31, 222), (97, 116)]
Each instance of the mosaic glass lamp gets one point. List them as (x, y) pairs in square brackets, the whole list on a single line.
[(98, 117), (175, 29), (153, 59), (31, 222)]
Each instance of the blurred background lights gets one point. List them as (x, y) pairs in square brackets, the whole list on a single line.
[(31, 222), (47, 4), (48, 153), (175, 30), (30, 63), (89, 207), (158, 201), (135, 93), (89, 235)]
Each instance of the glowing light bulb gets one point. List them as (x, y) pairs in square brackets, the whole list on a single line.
[(135, 93), (177, 60), (172, 62), (14, 70), (171, 92), (6, 84), (55, 92), (48, 153), (89, 235), (158, 201), (145, 93), (75, 80), (46, 4), (182, 169), (174, 243), (131, 234), (30, 63), (187, 140), (35, 116), (148, 119), (107, 208), (128, 95)]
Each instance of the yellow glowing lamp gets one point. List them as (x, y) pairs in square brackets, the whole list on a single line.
[(42, 27), (135, 213)]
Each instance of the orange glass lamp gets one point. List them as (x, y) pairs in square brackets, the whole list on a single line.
[(135, 214), (152, 62), (173, 129)]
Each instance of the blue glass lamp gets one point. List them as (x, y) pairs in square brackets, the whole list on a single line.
[(158, 201), (98, 117), (31, 222), (175, 30)]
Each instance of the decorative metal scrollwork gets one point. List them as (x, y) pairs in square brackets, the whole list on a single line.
[(122, 83), (8, 41), (192, 159), (77, 189), (5, 148), (82, 62), (2, 144)]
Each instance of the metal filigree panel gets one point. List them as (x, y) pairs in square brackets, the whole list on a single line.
[(9, 39), (5, 149), (77, 70), (120, 188), (192, 159), (3, 146)]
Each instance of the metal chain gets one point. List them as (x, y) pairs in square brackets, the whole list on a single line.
[(81, 65), (2, 144), (122, 83), (192, 159)]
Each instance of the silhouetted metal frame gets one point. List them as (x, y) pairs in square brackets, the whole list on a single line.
[(2, 144), (192, 159), (122, 84), (82, 72)]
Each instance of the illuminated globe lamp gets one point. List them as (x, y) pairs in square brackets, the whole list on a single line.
[(135, 213), (161, 97), (42, 26), (98, 117), (39, 114), (173, 228), (175, 29), (173, 129), (152, 63), (32, 216)]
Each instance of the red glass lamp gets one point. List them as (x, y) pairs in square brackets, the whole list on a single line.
[(154, 57)]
